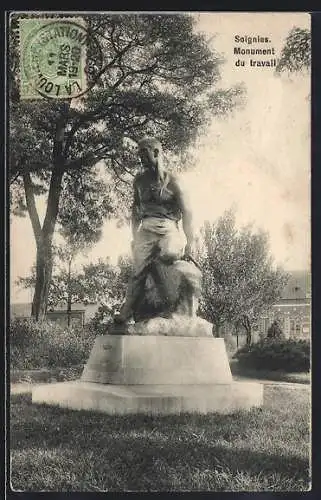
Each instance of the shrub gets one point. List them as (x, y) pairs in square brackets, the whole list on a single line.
[(45, 344), (275, 331), (270, 354), (102, 318), (230, 344)]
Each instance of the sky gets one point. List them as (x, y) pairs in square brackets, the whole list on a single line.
[(257, 159)]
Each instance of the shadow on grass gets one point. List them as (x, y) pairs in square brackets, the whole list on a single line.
[(138, 450)]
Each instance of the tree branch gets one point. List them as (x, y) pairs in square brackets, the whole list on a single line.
[(57, 175), (136, 125), (12, 181), (32, 209), (53, 202), (88, 159), (119, 54), (119, 177), (92, 115), (122, 166), (97, 113)]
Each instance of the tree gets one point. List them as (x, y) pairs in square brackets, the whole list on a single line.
[(109, 285), (64, 284), (104, 283), (296, 53), (79, 234), (157, 78), (99, 283), (239, 279)]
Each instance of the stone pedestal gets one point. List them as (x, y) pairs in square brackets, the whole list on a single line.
[(151, 360), (155, 375)]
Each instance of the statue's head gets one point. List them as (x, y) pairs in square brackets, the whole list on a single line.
[(150, 152)]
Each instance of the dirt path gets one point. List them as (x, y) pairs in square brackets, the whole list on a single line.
[(290, 385)]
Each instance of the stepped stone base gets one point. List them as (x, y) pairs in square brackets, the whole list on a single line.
[(154, 375), (151, 399)]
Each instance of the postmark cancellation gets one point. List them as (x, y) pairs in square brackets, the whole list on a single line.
[(53, 58)]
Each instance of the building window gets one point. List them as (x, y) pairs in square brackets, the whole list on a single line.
[(296, 328), (292, 326), (265, 325)]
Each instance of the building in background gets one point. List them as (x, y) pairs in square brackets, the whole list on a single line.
[(293, 310), (77, 317), (80, 313)]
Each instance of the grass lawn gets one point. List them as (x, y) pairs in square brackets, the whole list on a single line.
[(55, 449)]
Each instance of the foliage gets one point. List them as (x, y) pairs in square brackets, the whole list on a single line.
[(99, 282), (109, 288), (275, 331), (237, 272), (296, 53), (45, 344), (62, 287), (102, 318), (288, 355), (105, 283), (158, 78), (85, 203), (64, 284)]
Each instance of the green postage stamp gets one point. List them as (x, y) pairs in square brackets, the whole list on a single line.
[(52, 58)]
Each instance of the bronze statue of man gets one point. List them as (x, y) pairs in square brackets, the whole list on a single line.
[(159, 205)]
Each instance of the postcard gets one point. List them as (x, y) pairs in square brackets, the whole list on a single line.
[(160, 276)]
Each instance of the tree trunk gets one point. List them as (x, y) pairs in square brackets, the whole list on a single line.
[(246, 323), (69, 311), (44, 249), (43, 278), (249, 336), (69, 297), (237, 336), (248, 328), (44, 234), (217, 330)]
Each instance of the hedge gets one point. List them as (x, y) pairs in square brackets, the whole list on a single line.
[(269, 354), (45, 344)]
